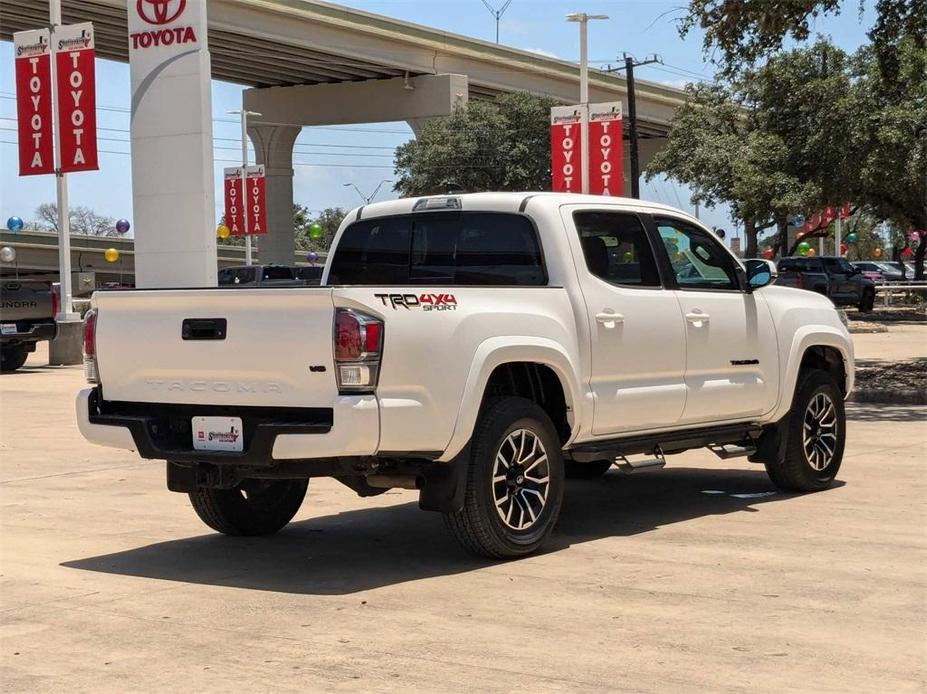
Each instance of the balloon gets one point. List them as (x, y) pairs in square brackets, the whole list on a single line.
[(851, 237), (14, 224), (877, 252), (111, 255), (913, 237), (122, 226), (811, 253), (721, 233), (315, 230), (7, 254), (223, 231), (628, 257), (844, 248), (798, 221), (769, 253), (874, 234), (907, 253), (803, 248), (312, 256)]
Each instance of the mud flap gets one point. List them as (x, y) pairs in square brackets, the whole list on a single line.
[(771, 445), (445, 484)]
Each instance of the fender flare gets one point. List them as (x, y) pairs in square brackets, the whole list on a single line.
[(805, 338), (496, 351)]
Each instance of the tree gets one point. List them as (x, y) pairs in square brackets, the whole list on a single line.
[(83, 220), (486, 145), (329, 219), (742, 32)]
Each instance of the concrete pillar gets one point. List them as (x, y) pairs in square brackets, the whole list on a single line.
[(273, 146)]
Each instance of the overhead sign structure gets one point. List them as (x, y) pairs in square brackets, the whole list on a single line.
[(32, 51), (172, 150), (246, 215), (565, 148), (76, 97), (606, 153)]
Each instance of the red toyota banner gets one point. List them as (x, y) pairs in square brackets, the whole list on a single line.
[(32, 51), (246, 215), (605, 150), (257, 201), (234, 207), (76, 94), (565, 149)]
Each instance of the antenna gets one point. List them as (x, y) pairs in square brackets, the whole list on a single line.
[(497, 13)]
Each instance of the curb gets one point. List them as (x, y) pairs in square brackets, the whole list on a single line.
[(889, 397)]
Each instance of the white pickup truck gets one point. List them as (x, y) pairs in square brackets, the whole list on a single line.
[(479, 348)]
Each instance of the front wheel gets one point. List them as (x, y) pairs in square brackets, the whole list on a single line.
[(514, 485), (254, 507), (12, 357), (816, 436)]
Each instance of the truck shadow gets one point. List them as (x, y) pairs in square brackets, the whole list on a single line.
[(369, 548)]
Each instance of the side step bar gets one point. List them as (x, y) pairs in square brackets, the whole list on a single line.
[(629, 466), (733, 451), (734, 439)]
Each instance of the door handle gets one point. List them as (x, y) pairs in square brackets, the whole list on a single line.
[(697, 317), (609, 320)]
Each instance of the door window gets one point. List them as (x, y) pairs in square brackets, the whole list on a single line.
[(698, 260), (616, 249), (838, 265)]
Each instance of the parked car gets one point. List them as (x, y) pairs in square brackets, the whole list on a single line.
[(896, 266), (27, 316), (269, 275), (882, 271), (478, 348), (833, 277)]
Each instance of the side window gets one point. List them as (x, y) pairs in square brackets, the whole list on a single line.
[(698, 260), (616, 249)]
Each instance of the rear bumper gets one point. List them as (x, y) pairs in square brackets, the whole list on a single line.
[(35, 333), (161, 432)]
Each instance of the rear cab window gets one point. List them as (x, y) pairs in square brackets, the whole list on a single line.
[(450, 248)]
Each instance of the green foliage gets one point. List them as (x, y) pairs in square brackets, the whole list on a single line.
[(740, 33), (486, 145), (329, 219)]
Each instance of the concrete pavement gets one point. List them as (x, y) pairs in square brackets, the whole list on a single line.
[(661, 581)]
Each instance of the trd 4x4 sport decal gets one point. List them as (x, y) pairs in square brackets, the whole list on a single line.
[(426, 302)]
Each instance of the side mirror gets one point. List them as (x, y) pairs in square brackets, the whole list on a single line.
[(760, 272)]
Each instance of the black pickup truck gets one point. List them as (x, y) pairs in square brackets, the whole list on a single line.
[(27, 315), (834, 277)]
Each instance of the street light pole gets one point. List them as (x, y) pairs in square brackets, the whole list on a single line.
[(583, 19), (244, 178), (368, 198)]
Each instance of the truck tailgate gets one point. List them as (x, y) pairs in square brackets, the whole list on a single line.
[(249, 347)]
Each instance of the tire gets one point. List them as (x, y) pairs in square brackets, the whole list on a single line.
[(586, 471), (867, 302), (811, 464), (255, 507), (524, 518), (12, 357)]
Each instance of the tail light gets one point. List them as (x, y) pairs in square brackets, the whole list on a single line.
[(90, 347), (56, 298), (358, 344)]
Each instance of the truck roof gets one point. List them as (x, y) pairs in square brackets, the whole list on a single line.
[(505, 202)]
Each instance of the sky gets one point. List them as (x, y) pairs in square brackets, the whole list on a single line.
[(327, 160)]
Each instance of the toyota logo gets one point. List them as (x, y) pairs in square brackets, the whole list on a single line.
[(160, 11)]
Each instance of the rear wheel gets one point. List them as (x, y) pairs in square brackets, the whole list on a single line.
[(514, 485), (816, 436), (12, 357), (586, 471), (867, 302), (254, 507)]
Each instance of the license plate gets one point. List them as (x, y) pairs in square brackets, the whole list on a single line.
[(217, 434), (8, 328)]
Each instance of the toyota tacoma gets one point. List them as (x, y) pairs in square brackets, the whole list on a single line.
[(480, 349)]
